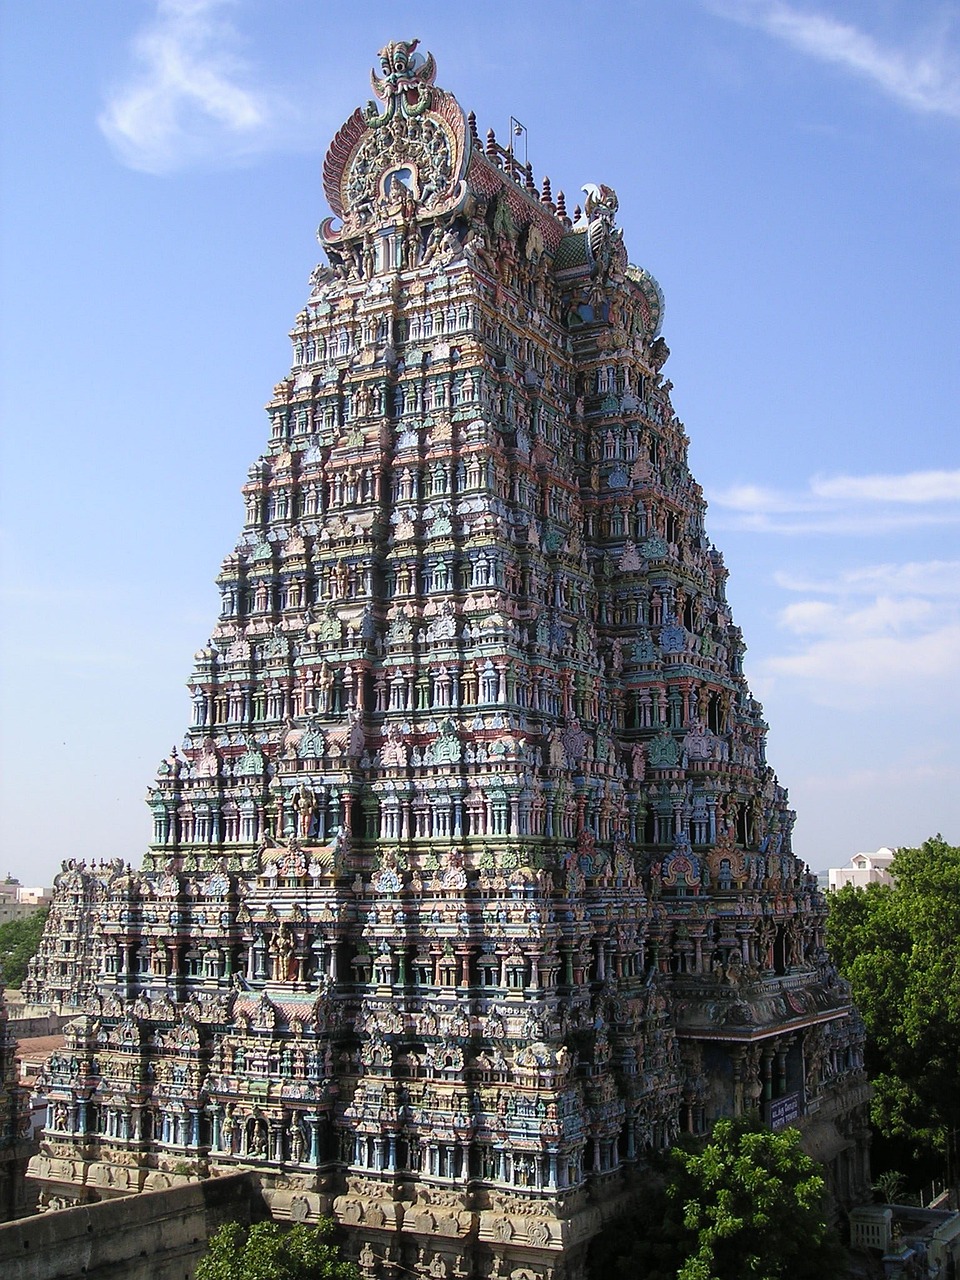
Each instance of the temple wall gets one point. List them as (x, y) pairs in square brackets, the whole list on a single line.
[(159, 1235), (25, 1023)]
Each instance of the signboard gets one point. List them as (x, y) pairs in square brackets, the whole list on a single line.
[(783, 1111)]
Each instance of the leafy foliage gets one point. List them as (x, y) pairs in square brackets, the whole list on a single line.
[(746, 1203), (19, 941), (269, 1251), (754, 1205), (889, 1185), (900, 948)]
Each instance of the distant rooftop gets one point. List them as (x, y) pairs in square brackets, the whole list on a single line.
[(864, 869)]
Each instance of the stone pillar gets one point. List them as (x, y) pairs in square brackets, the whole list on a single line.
[(782, 1069), (737, 1056)]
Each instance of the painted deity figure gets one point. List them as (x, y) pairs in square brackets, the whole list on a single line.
[(305, 805), (283, 948), (161, 959), (296, 1142), (325, 685), (228, 1131)]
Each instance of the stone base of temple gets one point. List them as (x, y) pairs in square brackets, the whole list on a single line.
[(402, 1228), (392, 1228), (397, 1227), (16, 1196), (836, 1133), (67, 1179), (160, 1235)]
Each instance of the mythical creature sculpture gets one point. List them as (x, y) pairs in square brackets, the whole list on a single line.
[(601, 202), (600, 211), (407, 77)]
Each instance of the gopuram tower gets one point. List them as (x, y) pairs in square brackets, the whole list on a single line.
[(470, 886)]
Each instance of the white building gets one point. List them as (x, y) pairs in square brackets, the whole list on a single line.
[(863, 869), (17, 901)]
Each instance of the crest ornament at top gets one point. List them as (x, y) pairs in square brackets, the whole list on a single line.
[(394, 168), (405, 84)]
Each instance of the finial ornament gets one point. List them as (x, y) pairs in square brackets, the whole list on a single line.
[(600, 213)]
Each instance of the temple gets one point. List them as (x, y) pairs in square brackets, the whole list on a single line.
[(470, 886), (15, 1124)]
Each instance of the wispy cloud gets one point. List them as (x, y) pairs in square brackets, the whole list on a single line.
[(925, 78), (882, 630), (930, 578), (755, 500), (843, 504), (916, 486), (190, 97), (841, 667)]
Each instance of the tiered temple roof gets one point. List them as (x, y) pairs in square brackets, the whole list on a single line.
[(470, 885)]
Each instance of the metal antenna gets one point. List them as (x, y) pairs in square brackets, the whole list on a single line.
[(517, 130)]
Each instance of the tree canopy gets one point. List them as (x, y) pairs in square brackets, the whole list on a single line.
[(754, 1203), (269, 1251), (19, 940), (746, 1203), (900, 948)]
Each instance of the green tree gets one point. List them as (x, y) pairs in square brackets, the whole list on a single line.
[(900, 948), (269, 1251), (19, 940), (754, 1206), (748, 1202)]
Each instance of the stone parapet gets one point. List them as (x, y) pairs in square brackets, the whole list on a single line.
[(155, 1236)]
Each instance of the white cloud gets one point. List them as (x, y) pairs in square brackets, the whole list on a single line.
[(883, 631), (840, 670), (896, 778), (753, 499), (880, 617), (925, 79), (929, 578), (854, 522), (917, 486), (844, 504), (189, 98)]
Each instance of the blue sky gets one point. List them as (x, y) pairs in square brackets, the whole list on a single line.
[(790, 173)]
